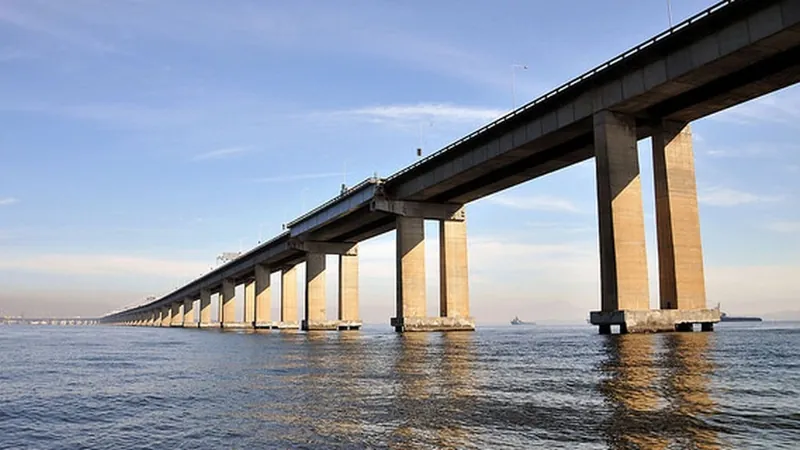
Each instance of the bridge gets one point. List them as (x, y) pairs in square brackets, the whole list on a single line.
[(731, 53), (80, 321)]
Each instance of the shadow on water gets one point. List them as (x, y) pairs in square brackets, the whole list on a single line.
[(658, 389)]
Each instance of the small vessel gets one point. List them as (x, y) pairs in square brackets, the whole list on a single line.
[(516, 321), (723, 317)]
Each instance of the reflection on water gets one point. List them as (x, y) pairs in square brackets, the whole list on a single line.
[(502, 388), (658, 389)]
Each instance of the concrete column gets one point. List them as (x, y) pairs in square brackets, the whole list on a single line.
[(250, 303), (263, 296), (454, 274), (411, 299), (205, 308), (151, 318), (177, 314), (166, 316), (289, 298), (188, 313), (348, 288), (623, 262), (315, 291), (227, 307), (680, 253)]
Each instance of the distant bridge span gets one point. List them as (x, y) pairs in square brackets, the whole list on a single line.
[(733, 52)]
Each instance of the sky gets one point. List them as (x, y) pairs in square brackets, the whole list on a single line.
[(140, 139)]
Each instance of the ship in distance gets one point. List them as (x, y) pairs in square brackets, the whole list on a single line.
[(517, 321), (724, 317)]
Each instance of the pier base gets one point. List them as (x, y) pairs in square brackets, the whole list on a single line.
[(287, 326), (656, 320), (330, 325), (402, 324), (236, 325), (209, 325)]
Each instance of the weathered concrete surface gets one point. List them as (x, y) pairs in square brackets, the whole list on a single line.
[(331, 325), (289, 296), (680, 253), (403, 324), (348, 288), (655, 320), (267, 325), (236, 325), (227, 300), (263, 294), (623, 262), (166, 316), (315, 289), (250, 302), (287, 325), (176, 315), (205, 308), (188, 313), (454, 274), (411, 295)]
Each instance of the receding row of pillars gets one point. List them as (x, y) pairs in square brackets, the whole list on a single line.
[(258, 299)]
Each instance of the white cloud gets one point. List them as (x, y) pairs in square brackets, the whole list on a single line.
[(422, 112), (297, 177), (98, 265), (221, 153), (536, 203), (6, 201), (781, 107), (785, 226), (720, 196)]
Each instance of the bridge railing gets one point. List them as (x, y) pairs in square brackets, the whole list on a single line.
[(616, 60)]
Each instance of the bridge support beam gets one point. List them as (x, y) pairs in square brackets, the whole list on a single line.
[(177, 314), (227, 307), (250, 303), (263, 297), (316, 314), (166, 316), (188, 313), (348, 292), (288, 299), (625, 299), (411, 284), (205, 310)]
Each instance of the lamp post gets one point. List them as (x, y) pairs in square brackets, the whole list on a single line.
[(514, 82), (669, 12)]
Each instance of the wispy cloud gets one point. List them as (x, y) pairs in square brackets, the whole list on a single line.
[(6, 201), (421, 112), (297, 177), (720, 196), (785, 226), (536, 203), (782, 107), (95, 265), (222, 153)]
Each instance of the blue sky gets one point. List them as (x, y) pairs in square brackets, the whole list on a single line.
[(142, 138)]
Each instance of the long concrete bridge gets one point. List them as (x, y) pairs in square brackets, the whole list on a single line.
[(728, 54)]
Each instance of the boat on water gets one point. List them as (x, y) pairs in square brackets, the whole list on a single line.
[(516, 321), (723, 317)]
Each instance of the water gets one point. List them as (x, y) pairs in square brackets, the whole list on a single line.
[(499, 388)]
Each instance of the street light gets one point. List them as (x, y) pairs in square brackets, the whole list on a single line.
[(514, 82), (669, 12)]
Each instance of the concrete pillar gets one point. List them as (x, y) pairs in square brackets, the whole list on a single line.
[(205, 308), (250, 303), (411, 299), (316, 314), (454, 274), (151, 318), (623, 262), (227, 300), (348, 288), (263, 296), (289, 298), (188, 313), (166, 316), (177, 314), (680, 253)]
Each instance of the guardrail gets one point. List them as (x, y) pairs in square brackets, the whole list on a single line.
[(567, 85)]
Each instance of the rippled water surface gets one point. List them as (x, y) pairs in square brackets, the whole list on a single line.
[(506, 387)]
